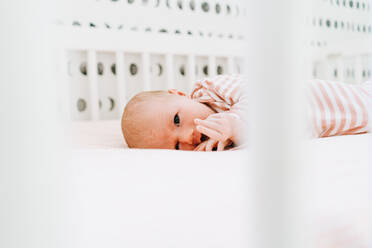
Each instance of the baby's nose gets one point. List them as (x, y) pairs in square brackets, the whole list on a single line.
[(188, 137)]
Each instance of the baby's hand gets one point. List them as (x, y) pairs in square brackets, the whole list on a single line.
[(221, 127), (210, 144)]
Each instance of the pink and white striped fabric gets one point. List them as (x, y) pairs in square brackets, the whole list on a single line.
[(339, 109), (223, 93), (334, 108)]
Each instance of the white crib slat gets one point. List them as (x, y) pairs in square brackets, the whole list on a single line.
[(191, 69), (146, 71), (309, 67), (329, 69), (276, 91), (358, 69), (170, 71), (120, 73), (64, 85), (230, 65), (92, 75), (341, 69), (212, 66)]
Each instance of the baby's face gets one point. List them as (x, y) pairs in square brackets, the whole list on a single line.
[(172, 123)]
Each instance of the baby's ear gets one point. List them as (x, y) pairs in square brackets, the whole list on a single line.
[(176, 92)]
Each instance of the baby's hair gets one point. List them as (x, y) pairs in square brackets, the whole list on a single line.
[(131, 122)]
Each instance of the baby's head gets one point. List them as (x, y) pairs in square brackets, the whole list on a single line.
[(163, 120)]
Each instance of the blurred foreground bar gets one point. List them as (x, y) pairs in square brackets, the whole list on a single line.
[(29, 202), (275, 71)]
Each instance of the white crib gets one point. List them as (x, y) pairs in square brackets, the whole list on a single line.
[(135, 45), (114, 197), (341, 40), (144, 45), (136, 198)]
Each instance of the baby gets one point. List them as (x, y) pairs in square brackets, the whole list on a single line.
[(213, 116), (210, 118)]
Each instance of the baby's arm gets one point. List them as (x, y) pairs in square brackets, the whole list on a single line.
[(339, 109), (225, 94)]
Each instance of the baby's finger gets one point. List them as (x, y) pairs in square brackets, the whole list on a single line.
[(210, 145), (213, 116), (209, 132), (221, 145), (217, 120), (209, 124), (217, 115), (201, 146)]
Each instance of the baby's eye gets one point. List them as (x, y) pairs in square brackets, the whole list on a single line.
[(176, 120), (177, 146)]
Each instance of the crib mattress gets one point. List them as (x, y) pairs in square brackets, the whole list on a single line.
[(160, 198)]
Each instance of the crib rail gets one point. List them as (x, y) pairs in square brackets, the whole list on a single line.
[(131, 63), (340, 43), (348, 61), (136, 45)]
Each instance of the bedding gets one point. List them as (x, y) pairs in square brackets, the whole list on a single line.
[(101, 135), (95, 135), (160, 198)]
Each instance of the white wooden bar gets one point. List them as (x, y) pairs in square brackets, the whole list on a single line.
[(341, 69), (358, 69), (275, 120), (83, 39), (191, 69), (120, 74), (32, 175), (93, 84), (146, 71), (64, 85), (230, 65), (212, 66), (170, 71), (329, 71), (308, 66)]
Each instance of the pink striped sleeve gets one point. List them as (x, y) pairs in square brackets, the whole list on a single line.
[(222, 93), (321, 108), (342, 108)]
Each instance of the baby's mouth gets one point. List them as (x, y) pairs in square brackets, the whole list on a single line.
[(203, 138)]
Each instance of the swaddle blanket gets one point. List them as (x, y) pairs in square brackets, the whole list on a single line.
[(333, 108)]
